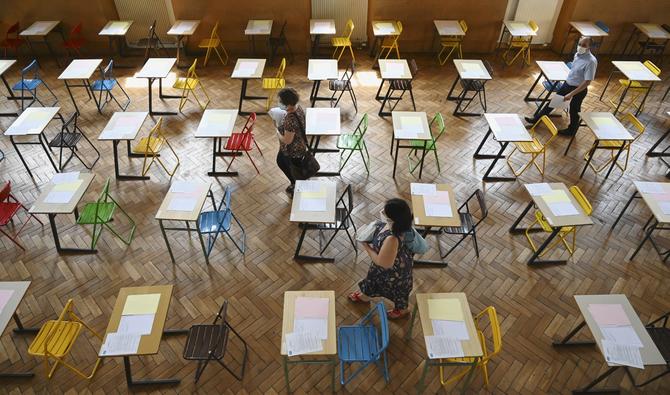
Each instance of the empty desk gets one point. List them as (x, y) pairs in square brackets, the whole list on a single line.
[(318, 28), (381, 29), (124, 126), (5, 64), (554, 74), (322, 122), (473, 75), (183, 30), (506, 128), (11, 295), (116, 31), (447, 28), (518, 29), (217, 125), (584, 29), (313, 204), (635, 72), (320, 70), (80, 69), (650, 31), (408, 126), (157, 69), (32, 122), (258, 27), (605, 128), (245, 70), (391, 70), (39, 31)]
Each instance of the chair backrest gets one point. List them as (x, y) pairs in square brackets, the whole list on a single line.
[(14, 29), (602, 26), (464, 26), (152, 29), (652, 67), (5, 191), (155, 134), (215, 31), (103, 195), (108, 72), (481, 201), (75, 33), (399, 25), (282, 67), (544, 120), (496, 334), (533, 26), (249, 125), (32, 67), (631, 119), (437, 123), (581, 199), (489, 68), (70, 126), (68, 311), (413, 68), (191, 70), (349, 29), (362, 126), (383, 330)]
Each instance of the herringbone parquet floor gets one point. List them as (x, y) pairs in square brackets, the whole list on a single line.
[(535, 305)]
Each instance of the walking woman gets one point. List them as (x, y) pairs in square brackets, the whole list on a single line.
[(390, 275), (291, 135)]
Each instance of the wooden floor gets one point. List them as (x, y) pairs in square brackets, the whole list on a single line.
[(535, 305)]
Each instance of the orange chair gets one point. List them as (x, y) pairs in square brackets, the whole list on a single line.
[(241, 142), (9, 207), (12, 39), (74, 42)]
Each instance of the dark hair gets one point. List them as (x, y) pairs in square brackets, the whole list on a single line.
[(288, 96), (398, 211)]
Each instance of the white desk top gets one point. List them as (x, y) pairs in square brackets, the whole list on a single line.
[(156, 68), (384, 28), (13, 292), (322, 26), (320, 189), (394, 69), (410, 125), (115, 28), (32, 121), (588, 29), (322, 69), (656, 201), (40, 28), (605, 126), (42, 206), (5, 64), (553, 70), (543, 200), (248, 68), (519, 29), (507, 127), (653, 30), (216, 123), (123, 126), (183, 28), (187, 191), (471, 69), (258, 27), (635, 71), (448, 28), (322, 121), (80, 69)]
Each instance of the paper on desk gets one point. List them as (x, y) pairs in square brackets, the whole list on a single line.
[(556, 196), (385, 27), (34, 123), (184, 186), (621, 335), (182, 204), (608, 314), (437, 205), (558, 102), (38, 27), (311, 307), (5, 295), (216, 121), (650, 187), (246, 69), (308, 186), (328, 121), (117, 27), (141, 304), (394, 69), (309, 204), (473, 70), (60, 178), (410, 126), (445, 309), (321, 26), (317, 327), (561, 209), (58, 197), (621, 354), (140, 323), (302, 343), (420, 189), (539, 189), (120, 344), (665, 207), (451, 329), (443, 347), (67, 186)]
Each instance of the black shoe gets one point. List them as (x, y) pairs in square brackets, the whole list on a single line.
[(566, 132), (289, 189), (530, 120)]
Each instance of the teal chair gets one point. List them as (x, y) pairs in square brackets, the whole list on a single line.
[(421, 145), (354, 142)]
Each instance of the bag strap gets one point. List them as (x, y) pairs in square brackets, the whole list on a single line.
[(303, 132)]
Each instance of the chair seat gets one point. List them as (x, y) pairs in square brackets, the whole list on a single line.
[(103, 85), (611, 144), (62, 337), (357, 343), (239, 142), (200, 341), (388, 41), (340, 41), (149, 146), (530, 147), (419, 144), (467, 224), (185, 83), (209, 43), (547, 228), (27, 84), (349, 141), (661, 338), (273, 83), (105, 213), (65, 140), (518, 43), (7, 211), (339, 85), (401, 85), (450, 41), (215, 221), (633, 85), (547, 85), (472, 85)]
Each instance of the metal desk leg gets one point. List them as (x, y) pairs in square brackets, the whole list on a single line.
[(487, 177), (216, 142), (567, 38), (590, 157), (422, 380), (477, 155), (647, 236), (635, 195), (652, 153), (131, 382), (309, 258), (534, 259), (616, 159), (515, 230), (61, 250), (527, 98), (423, 157), (589, 387), (644, 99), (621, 99), (167, 242), (123, 177), (395, 157), (202, 242), (450, 95), (67, 85), (408, 335), (20, 329), (609, 78), (565, 342), (386, 98)]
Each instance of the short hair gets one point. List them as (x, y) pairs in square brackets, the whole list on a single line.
[(288, 96), (587, 40)]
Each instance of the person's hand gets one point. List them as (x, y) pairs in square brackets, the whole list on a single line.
[(567, 97)]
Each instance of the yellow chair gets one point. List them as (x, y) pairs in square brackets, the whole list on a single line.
[(522, 46), (344, 42), (614, 145), (496, 341), (453, 42), (389, 43), (637, 89), (566, 230), (56, 338), (534, 148), (214, 42), (188, 84), (272, 84), (151, 146)]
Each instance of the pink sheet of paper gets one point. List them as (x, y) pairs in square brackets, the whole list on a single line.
[(440, 197), (609, 314), (662, 197), (311, 307), (5, 295)]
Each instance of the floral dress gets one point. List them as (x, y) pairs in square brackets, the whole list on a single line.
[(294, 122), (394, 283)]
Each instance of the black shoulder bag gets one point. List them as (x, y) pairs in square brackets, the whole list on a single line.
[(308, 165)]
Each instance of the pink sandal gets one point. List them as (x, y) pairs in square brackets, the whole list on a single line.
[(396, 314), (356, 297)]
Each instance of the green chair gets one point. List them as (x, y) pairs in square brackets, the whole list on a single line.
[(354, 142), (100, 213), (421, 145)]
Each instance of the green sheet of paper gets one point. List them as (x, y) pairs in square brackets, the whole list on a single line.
[(141, 304), (556, 196), (445, 309), (68, 186)]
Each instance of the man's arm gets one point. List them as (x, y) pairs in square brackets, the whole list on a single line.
[(578, 89)]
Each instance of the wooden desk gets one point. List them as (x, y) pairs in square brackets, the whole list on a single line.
[(183, 29), (555, 221), (217, 125), (320, 70), (317, 28), (649, 31), (5, 64), (506, 128), (174, 208), (322, 122), (149, 344), (44, 205), (157, 69), (116, 31), (311, 219), (448, 28), (519, 29), (40, 30), (381, 29), (473, 75), (584, 29), (11, 295), (555, 73), (650, 354), (80, 69), (605, 127), (390, 70), (329, 345), (124, 126), (471, 347), (409, 126), (30, 124), (258, 27), (635, 72), (248, 69)]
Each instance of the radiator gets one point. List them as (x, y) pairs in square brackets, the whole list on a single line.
[(143, 13), (341, 11)]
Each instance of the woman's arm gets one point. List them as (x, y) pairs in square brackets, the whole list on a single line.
[(287, 137), (387, 253)]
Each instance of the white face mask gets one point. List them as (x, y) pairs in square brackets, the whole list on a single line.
[(581, 50)]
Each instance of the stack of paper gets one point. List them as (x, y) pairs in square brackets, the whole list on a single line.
[(539, 189), (184, 187), (310, 326), (437, 205), (312, 196), (246, 69), (63, 192), (320, 26), (449, 328), (410, 127), (5, 295), (559, 203), (419, 189), (182, 204), (137, 319), (215, 121), (620, 342)]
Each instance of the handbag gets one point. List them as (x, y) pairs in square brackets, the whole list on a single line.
[(307, 166), (367, 233)]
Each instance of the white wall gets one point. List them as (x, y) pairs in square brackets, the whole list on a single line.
[(543, 12)]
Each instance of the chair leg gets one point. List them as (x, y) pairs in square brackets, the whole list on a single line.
[(474, 241)]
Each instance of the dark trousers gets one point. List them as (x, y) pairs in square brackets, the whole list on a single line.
[(575, 105), (284, 163)]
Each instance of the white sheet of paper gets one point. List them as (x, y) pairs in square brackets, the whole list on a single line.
[(120, 344), (309, 204), (538, 189), (621, 335), (308, 186), (140, 323), (277, 115), (182, 204), (60, 178), (59, 197), (321, 26), (622, 354), (385, 27), (247, 68), (451, 329), (395, 69), (443, 347), (183, 187), (650, 187), (561, 209), (558, 102), (438, 210), (665, 207), (302, 343), (423, 189), (318, 327)]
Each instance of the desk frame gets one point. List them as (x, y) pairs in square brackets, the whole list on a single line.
[(496, 157), (244, 96), (462, 97), (535, 258), (625, 92), (150, 81)]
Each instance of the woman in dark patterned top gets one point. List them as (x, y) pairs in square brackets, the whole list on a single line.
[(291, 135), (390, 275)]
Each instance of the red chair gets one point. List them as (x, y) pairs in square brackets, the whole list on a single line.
[(9, 206), (74, 41), (12, 42), (241, 142)]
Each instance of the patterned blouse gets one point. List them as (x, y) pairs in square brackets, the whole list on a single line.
[(294, 122)]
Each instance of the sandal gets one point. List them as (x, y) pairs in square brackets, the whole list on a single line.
[(396, 314), (356, 297)]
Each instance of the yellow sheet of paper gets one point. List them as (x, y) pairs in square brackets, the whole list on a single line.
[(141, 304), (604, 121), (219, 118), (68, 186), (320, 194), (556, 196), (410, 122), (445, 309)]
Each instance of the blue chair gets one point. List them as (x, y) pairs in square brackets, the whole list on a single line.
[(364, 343), (106, 84), (596, 43), (212, 223), (30, 81)]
